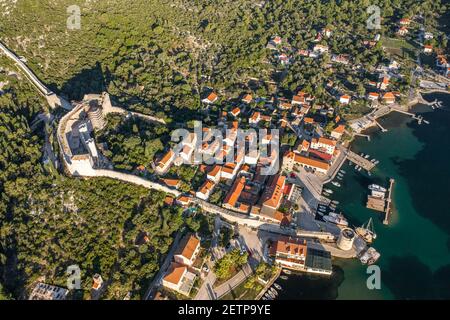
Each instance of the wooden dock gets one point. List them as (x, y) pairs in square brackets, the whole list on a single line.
[(389, 202), (360, 161)]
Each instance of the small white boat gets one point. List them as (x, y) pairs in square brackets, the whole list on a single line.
[(276, 285), (366, 156), (286, 271), (263, 298), (359, 169), (283, 277), (326, 194), (335, 183), (342, 171), (361, 154), (328, 190), (376, 162), (376, 187), (373, 160), (340, 178), (274, 291), (335, 202)]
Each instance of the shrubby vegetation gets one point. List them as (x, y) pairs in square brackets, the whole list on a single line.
[(230, 262), (131, 142), (48, 221), (157, 56)]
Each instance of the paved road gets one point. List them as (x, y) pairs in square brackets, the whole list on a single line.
[(157, 279), (206, 291)]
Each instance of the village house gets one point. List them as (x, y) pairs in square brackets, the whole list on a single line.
[(254, 118), (373, 96), (172, 183), (383, 83), (289, 253), (344, 99), (324, 144), (179, 279), (235, 112), (205, 190), (164, 164), (187, 251), (338, 132), (247, 99), (427, 48), (183, 201), (231, 199), (388, 98), (341, 58), (214, 174), (272, 196), (211, 98), (402, 31), (292, 159), (43, 291), (320, 48), (441, 62)]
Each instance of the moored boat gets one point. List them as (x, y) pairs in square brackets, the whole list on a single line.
[(335, 218), (367, 232), (335, 183), (277, 286), (375, 187)]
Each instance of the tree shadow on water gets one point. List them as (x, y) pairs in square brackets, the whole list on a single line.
[(408, 278)]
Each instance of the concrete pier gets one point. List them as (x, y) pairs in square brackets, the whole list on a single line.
[(389, 203), (360, 161)]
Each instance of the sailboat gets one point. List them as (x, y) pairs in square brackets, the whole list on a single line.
[(367, 232)]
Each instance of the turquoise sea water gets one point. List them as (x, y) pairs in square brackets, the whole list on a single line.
[(415, 246)]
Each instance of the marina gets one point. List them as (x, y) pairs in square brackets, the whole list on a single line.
[(360, 161), (380, 199)]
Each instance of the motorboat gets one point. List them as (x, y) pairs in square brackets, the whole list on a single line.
[(335, 183), (277, 286), (335, 218), (328, 190), (375, 187), (370, 256)]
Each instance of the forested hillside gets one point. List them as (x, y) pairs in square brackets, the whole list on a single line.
[(158, 55), (48, 221), (155, 57)]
